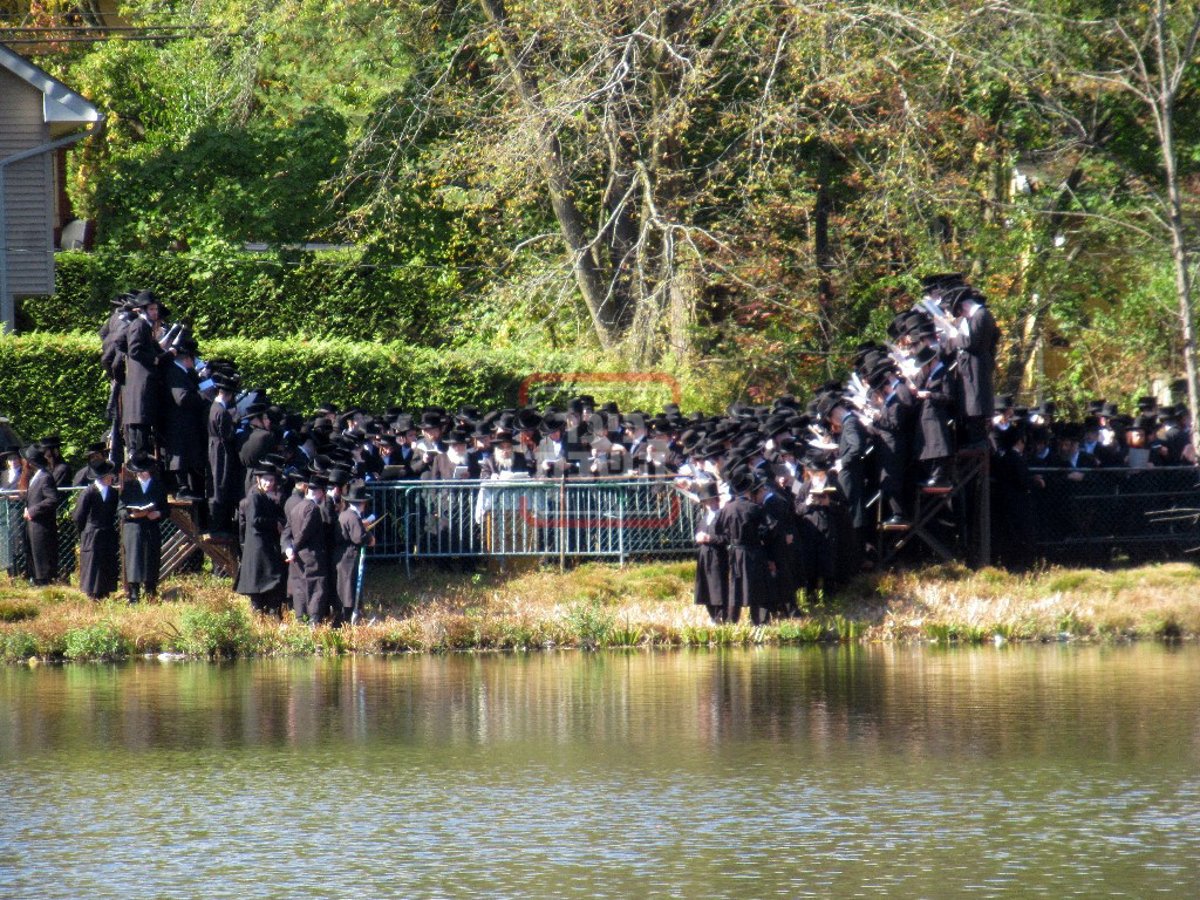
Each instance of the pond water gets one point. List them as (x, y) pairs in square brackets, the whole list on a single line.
[(839, 771)]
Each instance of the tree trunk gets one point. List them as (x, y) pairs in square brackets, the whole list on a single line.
[(1180, 257), (603, 305)]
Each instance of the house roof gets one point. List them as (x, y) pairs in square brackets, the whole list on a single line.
[(60, 104)]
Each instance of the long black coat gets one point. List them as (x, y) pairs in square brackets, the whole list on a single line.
[(741, 528), (260, 521), (140, 397), (223, 464), (295, 578), (894, 428), (352, 534), (783, 549), (818, 526), (712, 568), (312, 555), (141, 537), (852, 448), (186, 412), (41, 529), (95, 518), (934, 414), (976, 362)]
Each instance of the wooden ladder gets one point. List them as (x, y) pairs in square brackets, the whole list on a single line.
[(182, 546)]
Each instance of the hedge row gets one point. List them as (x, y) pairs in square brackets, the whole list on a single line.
[(53, 383), (313, 295)]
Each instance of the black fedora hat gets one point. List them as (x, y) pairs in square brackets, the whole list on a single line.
[(357, 493), (707, 490), (98, 470), (742, 481), (140, 462)]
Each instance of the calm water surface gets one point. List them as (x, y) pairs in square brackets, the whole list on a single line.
[(1026, 771)]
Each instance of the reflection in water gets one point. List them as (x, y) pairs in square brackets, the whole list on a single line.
[(1027, 770)]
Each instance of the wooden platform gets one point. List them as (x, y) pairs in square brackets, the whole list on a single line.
[(182, 547)]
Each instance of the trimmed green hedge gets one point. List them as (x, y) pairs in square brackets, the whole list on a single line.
[(312, 295), (54, 383)]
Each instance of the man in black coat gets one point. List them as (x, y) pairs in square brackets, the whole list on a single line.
[(352, 537), (974, 345), (41, 518), (262, 572), (935, 411), (310, 551), (294, 589), (224, 467), (851, 471), (113, 347), (782, 546), (817, 508), (140, 406), (741, 528), (142, 507), (712, 564), (893, 428), (186, 411), (95, 518)]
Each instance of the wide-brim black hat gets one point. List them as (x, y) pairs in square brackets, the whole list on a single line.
[(707, 490), (140, 462), (357, 493), (817, 461), (924, 356), (98, 470), (50, 442), (742, 481), (142, 299), (528, 420), (941, 282), (458, 436)]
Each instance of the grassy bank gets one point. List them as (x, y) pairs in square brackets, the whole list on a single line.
[(598, 605)]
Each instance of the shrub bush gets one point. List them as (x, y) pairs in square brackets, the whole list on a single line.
[(17, 646), (311, 295), (217, 631), (99, 641)]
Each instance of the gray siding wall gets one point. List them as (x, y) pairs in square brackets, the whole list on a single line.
[(29, 189)]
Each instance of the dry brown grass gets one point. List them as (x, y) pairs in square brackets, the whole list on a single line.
[(602, 605)]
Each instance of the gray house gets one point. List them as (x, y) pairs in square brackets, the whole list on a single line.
[(39, 117)]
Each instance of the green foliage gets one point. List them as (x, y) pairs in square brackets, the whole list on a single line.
[(17, 646), (96, 642), (590, 624), (220, 630), (802, 631), (228, 294)]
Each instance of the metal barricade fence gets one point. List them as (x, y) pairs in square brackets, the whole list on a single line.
[(12, 530), (523, 518), (1079, 517), (1085, 516)]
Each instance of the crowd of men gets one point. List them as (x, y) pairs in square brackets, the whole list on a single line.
[(791, 496)]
